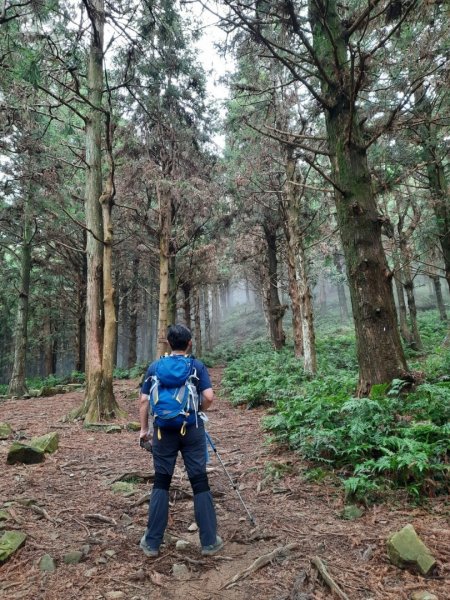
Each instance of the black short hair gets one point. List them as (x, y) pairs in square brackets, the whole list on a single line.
[(179, 336)]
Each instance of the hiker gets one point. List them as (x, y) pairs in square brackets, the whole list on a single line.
[(185, 379)]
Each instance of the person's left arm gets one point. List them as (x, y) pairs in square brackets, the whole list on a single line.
[(143, 405)]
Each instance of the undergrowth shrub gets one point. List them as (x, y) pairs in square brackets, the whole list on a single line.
[(389, 439), (259, 375), (131, 373), (402, 438)]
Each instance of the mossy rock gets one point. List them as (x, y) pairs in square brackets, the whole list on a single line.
[(4, 516), (46, 391), (5, 431), (406, 550), (123, 487), (10, 541), (133, 426), (73, 558), (47, 443), (352, 512), (24, 453), (113, 429), (47, 564)]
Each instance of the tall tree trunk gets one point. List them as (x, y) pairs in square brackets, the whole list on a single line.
[(436, 174), (197, 324), (165, 220), (439, 299), (117, 299), (109, 406), (307, 313), (295, 241), (132, 340), (153, 317), (403, 321), (124, 320), (80, 338), (408, 283), (322, 295), (343, 309), (223, 299), (17, 383), (276, 310), (99, 401), (247, 291), (215, 314), (379, 350), (48, 343), (206, 318), (295, 303), (172, 308), (186, 287), (290, 216)]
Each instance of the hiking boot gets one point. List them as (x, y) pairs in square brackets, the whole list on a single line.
[(213, 548), (150, 552)]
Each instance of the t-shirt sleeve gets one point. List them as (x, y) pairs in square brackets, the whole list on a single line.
[(145, 388), (204, 381)]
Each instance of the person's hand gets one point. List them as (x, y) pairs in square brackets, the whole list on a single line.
[(144, 434), (145, 442)]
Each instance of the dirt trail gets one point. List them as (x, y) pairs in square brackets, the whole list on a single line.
[(75, 482)]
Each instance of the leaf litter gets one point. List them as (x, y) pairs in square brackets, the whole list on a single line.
[(66, 504)]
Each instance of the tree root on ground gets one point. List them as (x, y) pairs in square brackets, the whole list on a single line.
[(260, 562)]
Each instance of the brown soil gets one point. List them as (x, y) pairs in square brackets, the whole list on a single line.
[(75, 482)]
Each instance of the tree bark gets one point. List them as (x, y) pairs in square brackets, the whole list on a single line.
[(17, 383), (186, 287), (165, 222), (48, 343), (99, 401), (403, 320), (215, 326), (408, 283), (132, 340), (294, 238), (289, 209), (379, 350), (436, 174), (276, 310), (172, 308), (439, 299), (80, 342), (197, 324), (343, 309), (206, 318)]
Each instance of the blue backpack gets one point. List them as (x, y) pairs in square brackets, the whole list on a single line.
[(173, 393)]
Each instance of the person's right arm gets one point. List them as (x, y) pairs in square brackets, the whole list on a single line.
[(207, 398)]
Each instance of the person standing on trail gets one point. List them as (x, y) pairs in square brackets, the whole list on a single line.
[(183, 433)]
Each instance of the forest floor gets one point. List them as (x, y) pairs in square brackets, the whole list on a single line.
[(74, 484)]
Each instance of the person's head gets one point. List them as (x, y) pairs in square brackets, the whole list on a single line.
[(179, 337)]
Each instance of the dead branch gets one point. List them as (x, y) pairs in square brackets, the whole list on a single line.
[(101, 518)]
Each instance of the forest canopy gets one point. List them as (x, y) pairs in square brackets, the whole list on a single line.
[(119, 215)]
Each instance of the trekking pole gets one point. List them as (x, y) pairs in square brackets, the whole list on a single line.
[(233, 485)]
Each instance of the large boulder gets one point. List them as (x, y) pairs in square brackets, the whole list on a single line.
[(5, 431), (24, 453), (406, 550), (10, 541), (47, 443)]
